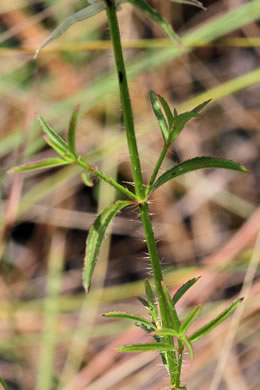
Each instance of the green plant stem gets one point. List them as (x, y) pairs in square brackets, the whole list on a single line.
[(134, 157), (156, 169), (107, 179), (125, 99), (158, 278), (136, 170), (180, 356)]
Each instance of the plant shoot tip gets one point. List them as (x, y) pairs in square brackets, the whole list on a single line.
[(244, 169)]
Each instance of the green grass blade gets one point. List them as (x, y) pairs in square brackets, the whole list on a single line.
[(33, 166), (95, 238), (127, 316), (159, 115), (50, 314), (187, 322), (157, 18), (72, 130), (218, 320), (182, 290), (161, 347), (195, 164)]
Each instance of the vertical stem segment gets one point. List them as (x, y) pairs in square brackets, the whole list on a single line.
[(133, 151), (125, 98), (136, 170), (158, 278)]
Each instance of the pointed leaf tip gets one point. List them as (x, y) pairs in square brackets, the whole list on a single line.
[(195, 164), (35, 165), (87, 179), (182, 290), (201, 106), (85, 13), (215, 322)]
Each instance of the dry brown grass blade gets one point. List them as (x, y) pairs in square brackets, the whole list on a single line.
[(67, 81)]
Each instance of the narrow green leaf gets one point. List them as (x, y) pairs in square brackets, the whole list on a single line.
[(167, 111), (48, 163), (95, 238), (152, 14), (146, 328), (72, 130), (68, 157), (86, 179), (159, 115), (143, 302), (197, 163), (218, 320), (162, 347), (127, 316), (196, 3), (149, 292), (153, 311), (182, 290), (189, 346), (54, 137), (201, 106), (166, 332), (187, 322), (179, 122), (174, 320), (4, 384)]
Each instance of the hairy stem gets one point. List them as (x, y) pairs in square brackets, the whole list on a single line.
[(80, 161), (137, 173)]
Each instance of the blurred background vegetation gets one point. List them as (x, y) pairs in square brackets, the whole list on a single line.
[(53, 336)]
